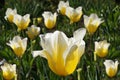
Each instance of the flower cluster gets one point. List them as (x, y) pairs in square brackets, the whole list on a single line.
[(61, 52)]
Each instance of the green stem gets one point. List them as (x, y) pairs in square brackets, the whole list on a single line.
[(19, 69), (31, 62), (28, 73), (62, 78), (78, 73)]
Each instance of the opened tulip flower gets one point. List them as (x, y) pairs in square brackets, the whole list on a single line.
[(22, 22), (101, 48), (49, 19), (111, 67), (18, 45), (9, 71), (74, 14), (33, 31), (10, 14), (62, 7), (62, 53), (92, 22)]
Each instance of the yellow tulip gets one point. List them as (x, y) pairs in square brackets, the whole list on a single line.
[(111, 67), (18, 45), (91, 23), (49, 19), (101, 48), (62, 7), (33, 31), (22, 22), (74, 14), (9, 71), (10, 14), (62, 53)]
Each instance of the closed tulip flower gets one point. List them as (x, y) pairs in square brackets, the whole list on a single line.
[(33, 31), (10, 14), (9, 71), (49, 19), (92, 22), (18, 45), (74, 14), (111, 67), (62, 53), (62, 7), (101, 48), (22, 22)]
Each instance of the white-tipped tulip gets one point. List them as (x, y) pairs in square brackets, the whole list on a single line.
[(22, 22), (33, 31), (10, 14), (49, 19), (61, 52), (18, 45), (62, 7), (111, 67), (101, 48), (74, 14), (9, 71), (92, 22)]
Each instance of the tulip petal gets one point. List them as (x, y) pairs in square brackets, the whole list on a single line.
[(71, 59), (81, 49), (79, 34), (39, 53), (45, 40), (86, 20)]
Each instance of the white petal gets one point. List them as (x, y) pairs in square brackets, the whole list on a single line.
[(116, 64), (78, 9), (17, 18), (108, 63), (69, 51), (94, 16), (86, 20), (24, 42), (61, 43), (39, 53), (17, 39), (26, 17), (69, 11), (79, 34), (96, 45), (47, 42), (81, 48)]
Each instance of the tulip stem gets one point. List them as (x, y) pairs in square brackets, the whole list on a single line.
[(63, 78), (19, 68), (31, 46), (78, 73)]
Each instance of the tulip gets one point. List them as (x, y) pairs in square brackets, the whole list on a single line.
[(62, 7), (22, 22), (101, 48), (10, 14), (74, 14), (9, 71), (111, 67), (18, 45), (61, 52), (33, 31), (92, 22), (49, 19)]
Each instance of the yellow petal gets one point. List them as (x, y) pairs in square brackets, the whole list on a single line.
[(63, 10), (10, 18), (111, 72), (71, 60), (49, 24)]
